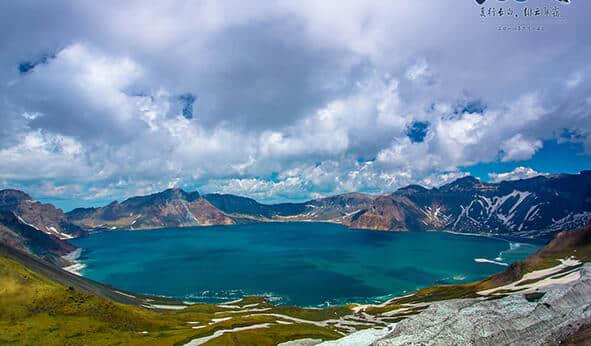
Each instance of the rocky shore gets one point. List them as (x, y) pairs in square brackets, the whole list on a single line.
[(556, 313)]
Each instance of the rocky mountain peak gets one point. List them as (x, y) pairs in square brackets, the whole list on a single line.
[(175, 193), (410, 189), (162, 197), (10, 197), (466, 183)]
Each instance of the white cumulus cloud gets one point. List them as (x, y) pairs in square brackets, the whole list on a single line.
[(518, 148), (516, 174)]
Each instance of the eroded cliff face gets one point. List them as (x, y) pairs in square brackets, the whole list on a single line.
[(44, 217), (562, 311), (17, 234)]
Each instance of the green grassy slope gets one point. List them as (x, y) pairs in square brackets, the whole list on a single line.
[(36, 310), (42, 304)]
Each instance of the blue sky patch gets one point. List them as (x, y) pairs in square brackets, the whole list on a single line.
[(417, 131)]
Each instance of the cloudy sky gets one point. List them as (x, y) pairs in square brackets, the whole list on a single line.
[(287, 100)]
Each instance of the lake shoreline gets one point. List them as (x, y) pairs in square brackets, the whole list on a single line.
[(361, 267)]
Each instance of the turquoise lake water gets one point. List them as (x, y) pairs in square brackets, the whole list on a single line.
[(305, 264)]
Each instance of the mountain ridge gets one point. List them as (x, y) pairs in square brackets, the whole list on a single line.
[(169, 208), (42, 216), (534, 208), (17, 234)]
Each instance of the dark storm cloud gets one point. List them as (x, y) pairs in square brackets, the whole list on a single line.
[(264, 75)]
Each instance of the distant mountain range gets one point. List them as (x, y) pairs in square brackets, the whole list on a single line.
[(535, 208)]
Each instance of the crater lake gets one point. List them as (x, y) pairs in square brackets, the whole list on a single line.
[(304, 264)]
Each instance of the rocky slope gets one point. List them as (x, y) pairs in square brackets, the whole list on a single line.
[(17, 234), (44, 217), (514, 320), (536, 208), (170, 208), (537, 303)]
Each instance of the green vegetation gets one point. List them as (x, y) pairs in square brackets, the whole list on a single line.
[(275, 335), (313, 314), (36, 310)]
